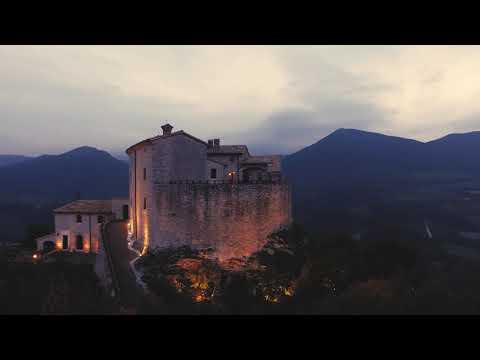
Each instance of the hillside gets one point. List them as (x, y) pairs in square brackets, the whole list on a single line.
[(352, 178), (84, 172), (12, 159)]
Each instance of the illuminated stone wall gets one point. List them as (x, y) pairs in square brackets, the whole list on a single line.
[(166, 159), (235, 219)]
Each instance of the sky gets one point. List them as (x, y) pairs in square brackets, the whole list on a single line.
[(275, 99)]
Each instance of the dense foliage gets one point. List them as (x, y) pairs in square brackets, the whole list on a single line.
[(51, 288), (386, 273)]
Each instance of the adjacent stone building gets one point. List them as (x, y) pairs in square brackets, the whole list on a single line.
[(185, 191)]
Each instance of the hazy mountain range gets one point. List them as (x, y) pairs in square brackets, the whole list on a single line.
[(352, 177), (84, 172), (347, 172), (12, 159)]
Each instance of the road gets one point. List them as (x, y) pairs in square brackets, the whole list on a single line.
[(130, 294)]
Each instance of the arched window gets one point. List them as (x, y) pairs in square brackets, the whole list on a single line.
[(79, 242)]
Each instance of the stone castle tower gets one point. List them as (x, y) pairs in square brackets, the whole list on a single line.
[(184, 191)]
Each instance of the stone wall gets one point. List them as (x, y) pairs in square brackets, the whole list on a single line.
[(235, 219), (176, 157)]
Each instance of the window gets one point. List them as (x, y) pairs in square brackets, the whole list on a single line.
[(213, 173), (125, 212), (79, 218), (79, 242), (100, 219), (65, 242), (144, 203), (144, 173)]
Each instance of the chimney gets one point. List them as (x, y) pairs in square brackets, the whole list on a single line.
[(216, 143), (167, 129), (210, 144)]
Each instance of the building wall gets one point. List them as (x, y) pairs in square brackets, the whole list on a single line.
[(66, 224), (231, 162), (117, 207), (140, 188), (235, 219), (167, 159), (218, 167), (42, 240), (179, 158)]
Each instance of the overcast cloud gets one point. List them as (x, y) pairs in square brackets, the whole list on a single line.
[(272, 98)]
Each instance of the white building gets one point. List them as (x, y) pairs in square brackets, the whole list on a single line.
[(78, 225)]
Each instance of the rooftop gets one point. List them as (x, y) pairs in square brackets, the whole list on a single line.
[(87, 207), (152, 139), (228, 149), (274, 160)]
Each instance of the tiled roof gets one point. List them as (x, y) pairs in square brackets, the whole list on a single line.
[(150, 140), (228, 149), (87, 207), (274, 160)]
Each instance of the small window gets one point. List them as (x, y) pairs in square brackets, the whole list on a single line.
[(65, 242), (213, 173), (144, 203), (125, 212), (79, 218), (79, 242), (144, 173), (100, 219)]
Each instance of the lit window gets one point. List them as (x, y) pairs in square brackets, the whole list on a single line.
[(79, 218)]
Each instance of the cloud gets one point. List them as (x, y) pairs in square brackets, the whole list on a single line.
[(290, 130), (272, 98)]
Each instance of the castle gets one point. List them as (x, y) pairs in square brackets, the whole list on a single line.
[(185, 191)]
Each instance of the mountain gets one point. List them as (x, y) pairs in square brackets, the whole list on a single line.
[(348, 154), (352, 172), (456, 152), (85, 172), (12, 159)]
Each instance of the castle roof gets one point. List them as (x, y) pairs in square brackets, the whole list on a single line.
[(274, 160), (228, 149), (158, 137), (86, 207)]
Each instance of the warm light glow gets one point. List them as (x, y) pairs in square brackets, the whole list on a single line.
[(35, 256), (86, 246), (59, 244), (130, 228), (146, 238)]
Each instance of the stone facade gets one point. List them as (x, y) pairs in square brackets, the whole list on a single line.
[(175, 200), (234, 219)]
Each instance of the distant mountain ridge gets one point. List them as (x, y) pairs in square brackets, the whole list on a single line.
[(353, 169), (358, 154), (12, 159), (83, 172)]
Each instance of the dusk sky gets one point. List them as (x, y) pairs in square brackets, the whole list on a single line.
[(275, 99)]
